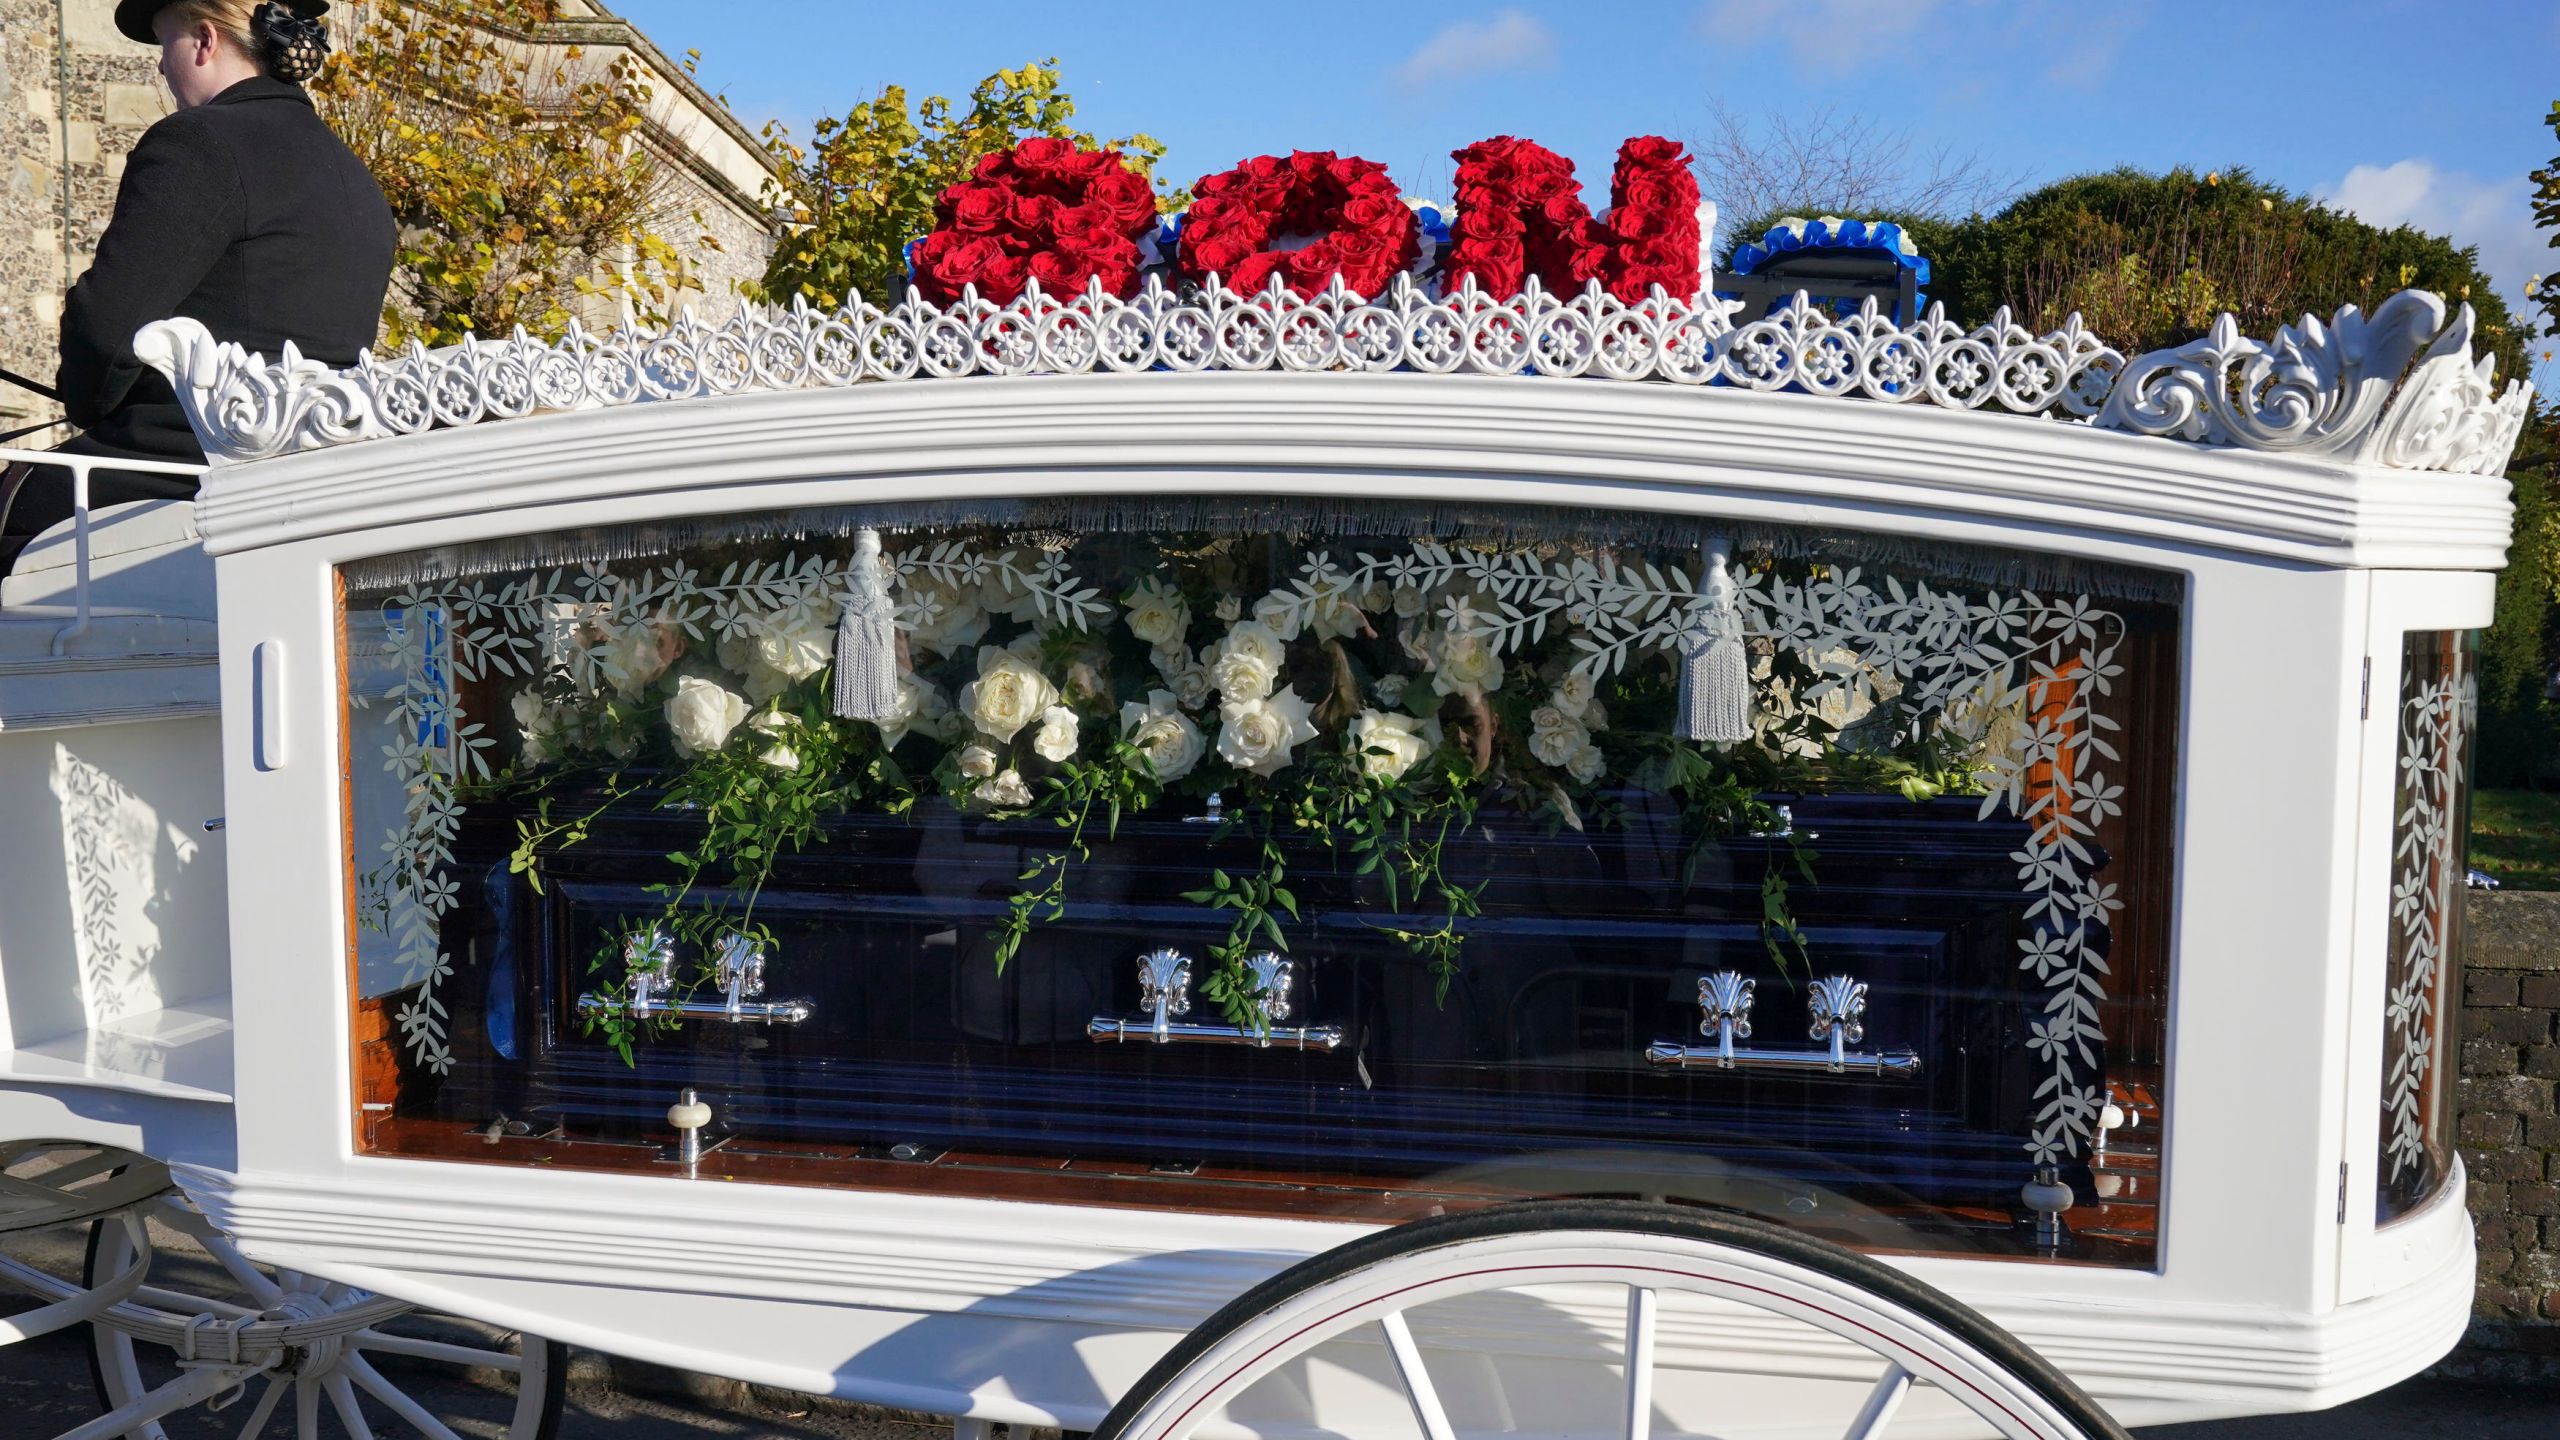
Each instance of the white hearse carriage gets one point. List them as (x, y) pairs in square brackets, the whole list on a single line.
[(1623, 851)]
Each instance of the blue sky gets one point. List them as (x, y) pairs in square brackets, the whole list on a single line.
[(2425, 111)]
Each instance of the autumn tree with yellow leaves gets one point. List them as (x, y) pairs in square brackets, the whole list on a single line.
[(519, 175), (864, 186)]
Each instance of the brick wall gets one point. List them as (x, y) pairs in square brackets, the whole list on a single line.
[(2510, 1120)]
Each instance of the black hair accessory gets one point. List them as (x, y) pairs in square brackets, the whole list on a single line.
[(294, 46)]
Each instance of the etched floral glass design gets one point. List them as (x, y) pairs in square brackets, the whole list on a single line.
[(2430, 829)]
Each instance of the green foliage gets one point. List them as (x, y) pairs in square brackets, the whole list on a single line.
[(2519, 734), (1121, 781), (518, 183), (2545, 291), (2149, 260), (2515, 837), (864, 186)]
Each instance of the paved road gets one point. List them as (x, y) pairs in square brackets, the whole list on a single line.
[(45, 1389)]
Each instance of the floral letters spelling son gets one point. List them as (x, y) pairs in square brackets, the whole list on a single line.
[(1067, 218)]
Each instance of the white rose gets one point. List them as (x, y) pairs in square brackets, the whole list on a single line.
[(1595, 718), (954, 622), (977, 762), (1157, 613), (1277, 613), (1573, 693), (1390, 688), (535, 726), (1377, 596), (1408, 601), (1191, 688), (916, 704), (736, 652), (702, 714), (796, 644), (1467, 665), (1229, 610), (1258, 640), (1159, 730), (1389, 745), (779, 754), (635, 658), (1585, 764), (1554, 736), (1259, 734), (1005, 591), (1007, 695), (1057, 738), (1006, 791), (1242, 675)]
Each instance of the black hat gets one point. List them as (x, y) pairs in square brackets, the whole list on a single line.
[(134, 17)]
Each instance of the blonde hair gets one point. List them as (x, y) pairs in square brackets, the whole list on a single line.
[(236, 21)]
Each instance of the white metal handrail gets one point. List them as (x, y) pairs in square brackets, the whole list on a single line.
[(80, 466)]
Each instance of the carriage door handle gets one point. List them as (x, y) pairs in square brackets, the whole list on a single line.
[(1164, 991)]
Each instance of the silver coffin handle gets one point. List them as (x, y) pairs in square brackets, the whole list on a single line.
[(1164, 987), (1837, 1009), (738, 964)]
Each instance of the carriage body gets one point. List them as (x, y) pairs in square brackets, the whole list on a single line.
[(2211, 1009)]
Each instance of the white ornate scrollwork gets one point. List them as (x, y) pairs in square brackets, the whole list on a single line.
[(2334, 389)]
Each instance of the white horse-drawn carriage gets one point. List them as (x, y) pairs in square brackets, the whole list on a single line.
[(1594, 861)]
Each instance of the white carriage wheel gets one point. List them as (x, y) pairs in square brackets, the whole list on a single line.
[(337, 1378), (1907, 1334)]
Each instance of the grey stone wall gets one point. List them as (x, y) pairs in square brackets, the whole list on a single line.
[(62, 149), (2509, 1118)]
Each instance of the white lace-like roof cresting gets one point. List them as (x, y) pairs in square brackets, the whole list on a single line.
[(2399, 389)]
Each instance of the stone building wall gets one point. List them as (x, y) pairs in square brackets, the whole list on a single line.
[(2509, 1125), (62, 150)]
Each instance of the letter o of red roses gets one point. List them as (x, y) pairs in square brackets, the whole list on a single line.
[(1360, 226)]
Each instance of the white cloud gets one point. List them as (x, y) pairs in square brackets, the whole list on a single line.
[(2496, 215), (1818, 34), (1473, 49)]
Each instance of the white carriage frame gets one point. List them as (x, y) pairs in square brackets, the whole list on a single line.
[(2349, 502)]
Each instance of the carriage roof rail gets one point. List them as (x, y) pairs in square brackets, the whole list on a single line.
[(81, 467)]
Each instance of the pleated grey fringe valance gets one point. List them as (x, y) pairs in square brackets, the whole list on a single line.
[(1060, 520)]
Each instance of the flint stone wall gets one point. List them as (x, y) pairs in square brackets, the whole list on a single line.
[(2509, 1127)]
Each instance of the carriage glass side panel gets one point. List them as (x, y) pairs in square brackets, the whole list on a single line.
[(1281, 857), (2430, 829)]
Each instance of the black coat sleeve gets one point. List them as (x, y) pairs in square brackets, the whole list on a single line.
[(178, 209)]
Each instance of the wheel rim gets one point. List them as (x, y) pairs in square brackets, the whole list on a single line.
[(339, 1378), (1453, 1328)]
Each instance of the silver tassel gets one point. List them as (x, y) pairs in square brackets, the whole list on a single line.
[(867, 639), (1715, 666)]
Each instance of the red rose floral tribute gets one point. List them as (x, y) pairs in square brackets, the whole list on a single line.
[(1346, 210), (1043, 210), (1520, 213)]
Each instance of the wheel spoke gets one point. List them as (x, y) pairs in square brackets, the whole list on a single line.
[(244, 1274), (1417, 1380), (306, 1410), (401, 1405), (1641, 1303), (1882, 1401), (350, 1413), (265, 1409), (463, 1355)]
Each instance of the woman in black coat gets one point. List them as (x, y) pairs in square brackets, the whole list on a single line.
[(240, 210)]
